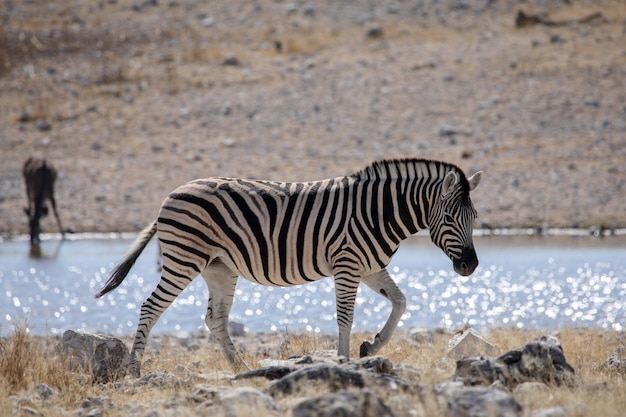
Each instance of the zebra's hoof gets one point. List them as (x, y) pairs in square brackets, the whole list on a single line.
[(366, 348)]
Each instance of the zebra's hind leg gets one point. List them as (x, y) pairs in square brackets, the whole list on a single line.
[(174, 279), (222, 283), (382, 283)]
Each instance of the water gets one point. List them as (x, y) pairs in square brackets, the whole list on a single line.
[(530, 282)]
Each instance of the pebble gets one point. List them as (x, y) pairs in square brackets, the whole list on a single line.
[(43, 125)]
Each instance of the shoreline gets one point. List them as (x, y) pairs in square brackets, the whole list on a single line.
[(592, 232)]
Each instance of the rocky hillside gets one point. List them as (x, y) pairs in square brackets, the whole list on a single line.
[(131, 98)]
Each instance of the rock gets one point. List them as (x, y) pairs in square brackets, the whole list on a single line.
[(94, 407), (447, 130), (268, 372), (235, 329), (374, 32), (246, 401), (243, 401), (531, 392), (43, 125), (28, 411), (551, 412), (478, 401), (470, 343), (539, 360), (422, 336), (332, 377), (274, 369), (231, 61), (202, 393), (310, 379), (105, 358), (159, 379), (617, 361), (44, 391), (345, 404)]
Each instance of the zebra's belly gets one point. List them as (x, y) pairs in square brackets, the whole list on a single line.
[(280, 277)]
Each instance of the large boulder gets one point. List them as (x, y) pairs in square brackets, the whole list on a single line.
[(539, 360), (104, 357)]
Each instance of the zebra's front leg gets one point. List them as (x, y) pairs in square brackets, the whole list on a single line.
[(222, 283), (382, 283), (345, 293)]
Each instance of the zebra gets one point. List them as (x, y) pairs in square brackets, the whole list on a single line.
[(291, 233), (39, 177)]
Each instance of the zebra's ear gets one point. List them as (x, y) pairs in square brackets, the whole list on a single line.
[(474, 180), (449, 182)]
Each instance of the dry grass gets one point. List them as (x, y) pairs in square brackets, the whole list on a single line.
[(26, 361)]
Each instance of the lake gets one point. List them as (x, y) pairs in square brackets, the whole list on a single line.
[(538, 282)]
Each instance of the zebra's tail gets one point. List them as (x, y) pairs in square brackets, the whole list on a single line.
[(123, 267)]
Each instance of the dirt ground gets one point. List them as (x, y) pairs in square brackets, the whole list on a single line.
[(131, 98)]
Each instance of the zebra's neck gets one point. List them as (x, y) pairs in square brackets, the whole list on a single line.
[(417, 182)]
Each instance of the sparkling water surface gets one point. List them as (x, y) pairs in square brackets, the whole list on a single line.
[(522, 281)]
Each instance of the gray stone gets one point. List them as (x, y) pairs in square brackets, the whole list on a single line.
[(28, 411), (617, 361), (44, 391), (242, 402), (539, 360), (328, 377), (551, 412), (344, 404), (235, 329), (470, 343), (422, 336), (247, 401), (478, 401), (105, 358), (203, 393), (332, 377), (159, 379)]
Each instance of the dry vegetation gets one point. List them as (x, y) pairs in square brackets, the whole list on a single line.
[(26, 361)]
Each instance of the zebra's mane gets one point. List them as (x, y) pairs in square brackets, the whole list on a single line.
[(403, 168)]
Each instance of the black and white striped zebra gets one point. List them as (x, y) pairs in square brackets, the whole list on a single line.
[(282, 234)]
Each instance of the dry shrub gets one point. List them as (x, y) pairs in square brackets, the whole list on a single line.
[(26, 361), (17, 356)]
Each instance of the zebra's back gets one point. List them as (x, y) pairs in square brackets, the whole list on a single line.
[(269, 232)]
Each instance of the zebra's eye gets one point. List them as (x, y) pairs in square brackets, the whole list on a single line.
[(448, 219)]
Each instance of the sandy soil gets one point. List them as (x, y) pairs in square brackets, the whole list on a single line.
[(131, 98)]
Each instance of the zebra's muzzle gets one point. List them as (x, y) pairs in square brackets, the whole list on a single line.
[(466, 263)]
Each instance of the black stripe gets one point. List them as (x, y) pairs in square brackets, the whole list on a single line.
[(318, 223), (392, 228), (333, 211), (346, 193), (301, 236), (255, 227), (284, 231)]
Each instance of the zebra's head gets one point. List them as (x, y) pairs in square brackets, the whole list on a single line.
[(451, 221)]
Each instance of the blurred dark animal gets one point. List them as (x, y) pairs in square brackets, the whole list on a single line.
[(39, 177)]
